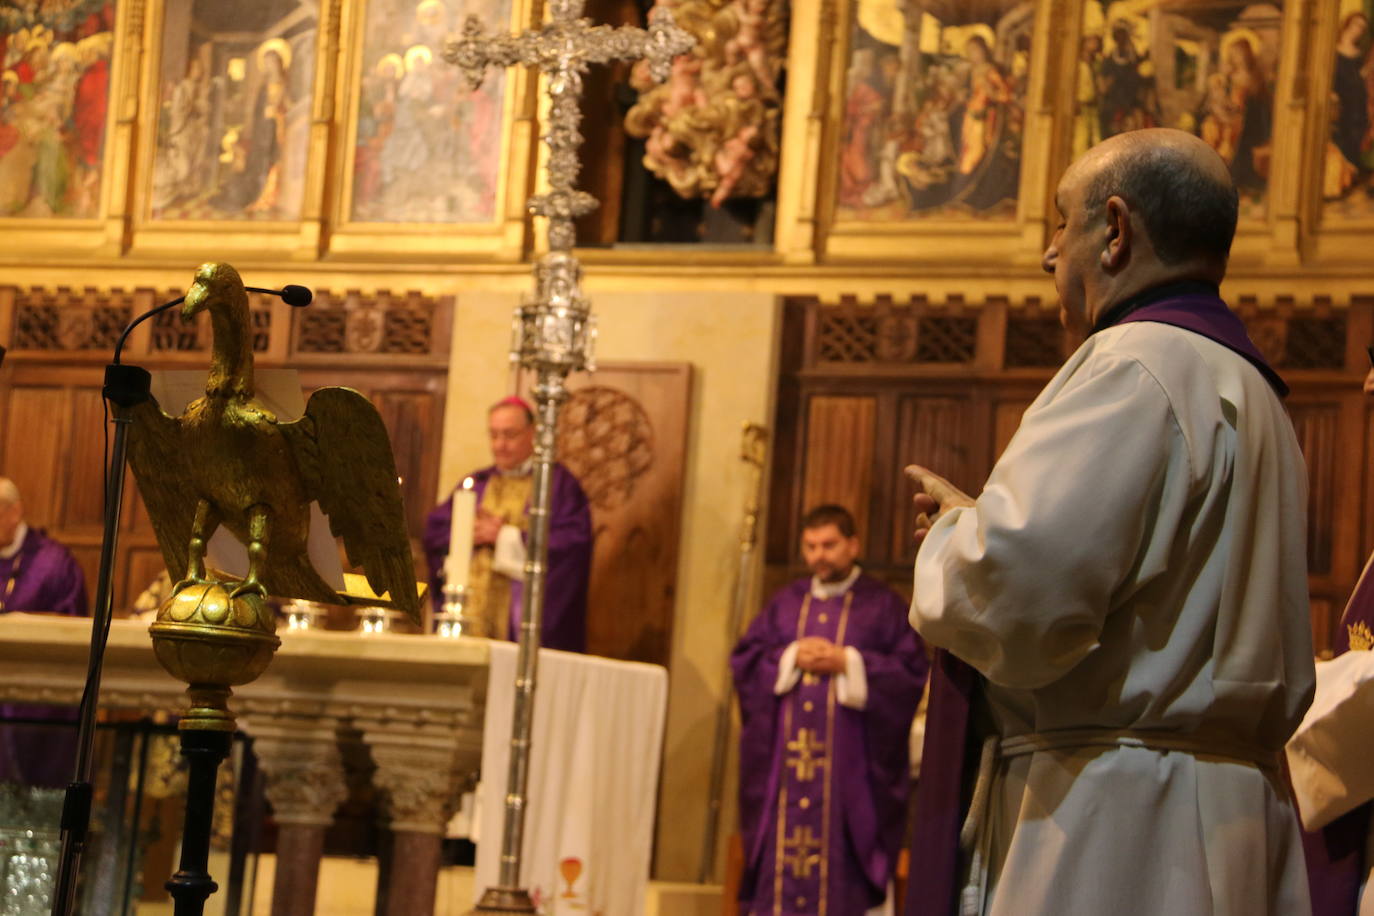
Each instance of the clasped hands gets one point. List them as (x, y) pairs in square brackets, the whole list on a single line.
[(936, 495), (819, 655), (485, 528)]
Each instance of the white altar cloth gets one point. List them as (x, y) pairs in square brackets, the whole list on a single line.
[(596, 748)]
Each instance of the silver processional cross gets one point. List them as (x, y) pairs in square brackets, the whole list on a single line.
[(553, 333)]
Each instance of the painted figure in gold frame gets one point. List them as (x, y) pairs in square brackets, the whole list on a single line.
[(54, 97), (933, 127), (1205, 67), (233, 128), (426, 148), (1348, 163)]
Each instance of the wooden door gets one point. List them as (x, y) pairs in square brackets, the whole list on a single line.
[(623, 434)]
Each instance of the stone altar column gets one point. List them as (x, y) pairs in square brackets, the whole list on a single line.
[(305, 784), (420, 775)]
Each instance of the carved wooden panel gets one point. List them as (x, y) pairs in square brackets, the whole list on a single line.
[(1316, 426), (623, 434), (1006, 419), (63, 320), (36, 421), (1033, 341), (839, 456), (939, 433)]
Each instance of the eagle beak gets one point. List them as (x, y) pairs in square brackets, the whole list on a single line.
[(195, 301)]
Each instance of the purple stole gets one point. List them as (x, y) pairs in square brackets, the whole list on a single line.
[(946, 763)]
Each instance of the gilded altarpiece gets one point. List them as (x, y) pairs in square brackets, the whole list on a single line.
[(427, 166), (948, 123), (235, 94)]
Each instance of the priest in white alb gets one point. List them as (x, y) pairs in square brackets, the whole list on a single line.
[(1130, 585)]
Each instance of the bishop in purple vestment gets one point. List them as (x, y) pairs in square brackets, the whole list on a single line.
[(37, 574), (828, 676), (511, 430)]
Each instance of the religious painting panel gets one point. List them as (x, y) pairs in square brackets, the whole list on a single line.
[(425, 147), (1347, 157), (235, 92), (933, 110), (1203, 66), (55, 61)]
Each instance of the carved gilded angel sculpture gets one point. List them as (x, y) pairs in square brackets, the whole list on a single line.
[(229, 461)]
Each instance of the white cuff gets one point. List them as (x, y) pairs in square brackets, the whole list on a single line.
[(788, 672), (851, 684), (509, 556)]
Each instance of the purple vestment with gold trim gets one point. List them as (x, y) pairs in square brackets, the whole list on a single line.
[(41, 577), (564, 624), (823, 786)]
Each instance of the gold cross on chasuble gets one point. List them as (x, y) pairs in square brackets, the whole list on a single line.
[(807, 761), (802, 851)]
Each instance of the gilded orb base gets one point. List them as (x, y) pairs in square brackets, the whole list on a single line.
[(213, 643)]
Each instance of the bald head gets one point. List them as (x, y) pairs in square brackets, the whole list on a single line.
[(9, 493), (1179, 186)]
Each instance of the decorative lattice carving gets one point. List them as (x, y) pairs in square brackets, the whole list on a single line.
[(172, 335), (606, 439), (61, 320), (1314, 343), (407, 329), (897, 337), (1267, 329), (262, 330), (845, 337), (946, 339), (364, 325), (322, 330), (1032, 342), (35, 328)]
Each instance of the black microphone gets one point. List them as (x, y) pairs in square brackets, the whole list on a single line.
[(291, 294)]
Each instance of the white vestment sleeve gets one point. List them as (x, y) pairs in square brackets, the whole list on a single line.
[(1019, 584), (509, 556), (788, 672), (1329, 755), (851, 684)]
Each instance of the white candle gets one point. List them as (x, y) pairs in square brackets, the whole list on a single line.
[(460, 535)]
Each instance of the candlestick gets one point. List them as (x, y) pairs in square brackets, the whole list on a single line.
[(460, 535)]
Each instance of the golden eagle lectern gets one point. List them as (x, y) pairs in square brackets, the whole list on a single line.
[(227, 460)]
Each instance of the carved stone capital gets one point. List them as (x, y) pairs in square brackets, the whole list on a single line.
[(304, 769), (421, 774)]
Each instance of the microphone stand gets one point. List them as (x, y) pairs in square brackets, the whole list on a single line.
[(126, 387)]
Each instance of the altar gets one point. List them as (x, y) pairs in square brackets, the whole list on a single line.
[(419, 720)]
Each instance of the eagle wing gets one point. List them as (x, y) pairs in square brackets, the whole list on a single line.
[(344, 455), (165, 480)]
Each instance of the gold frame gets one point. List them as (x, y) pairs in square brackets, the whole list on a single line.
[(103, 234), (501, 239), (935, 240), (1342, 241), (287, 239), (1272, 241)]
